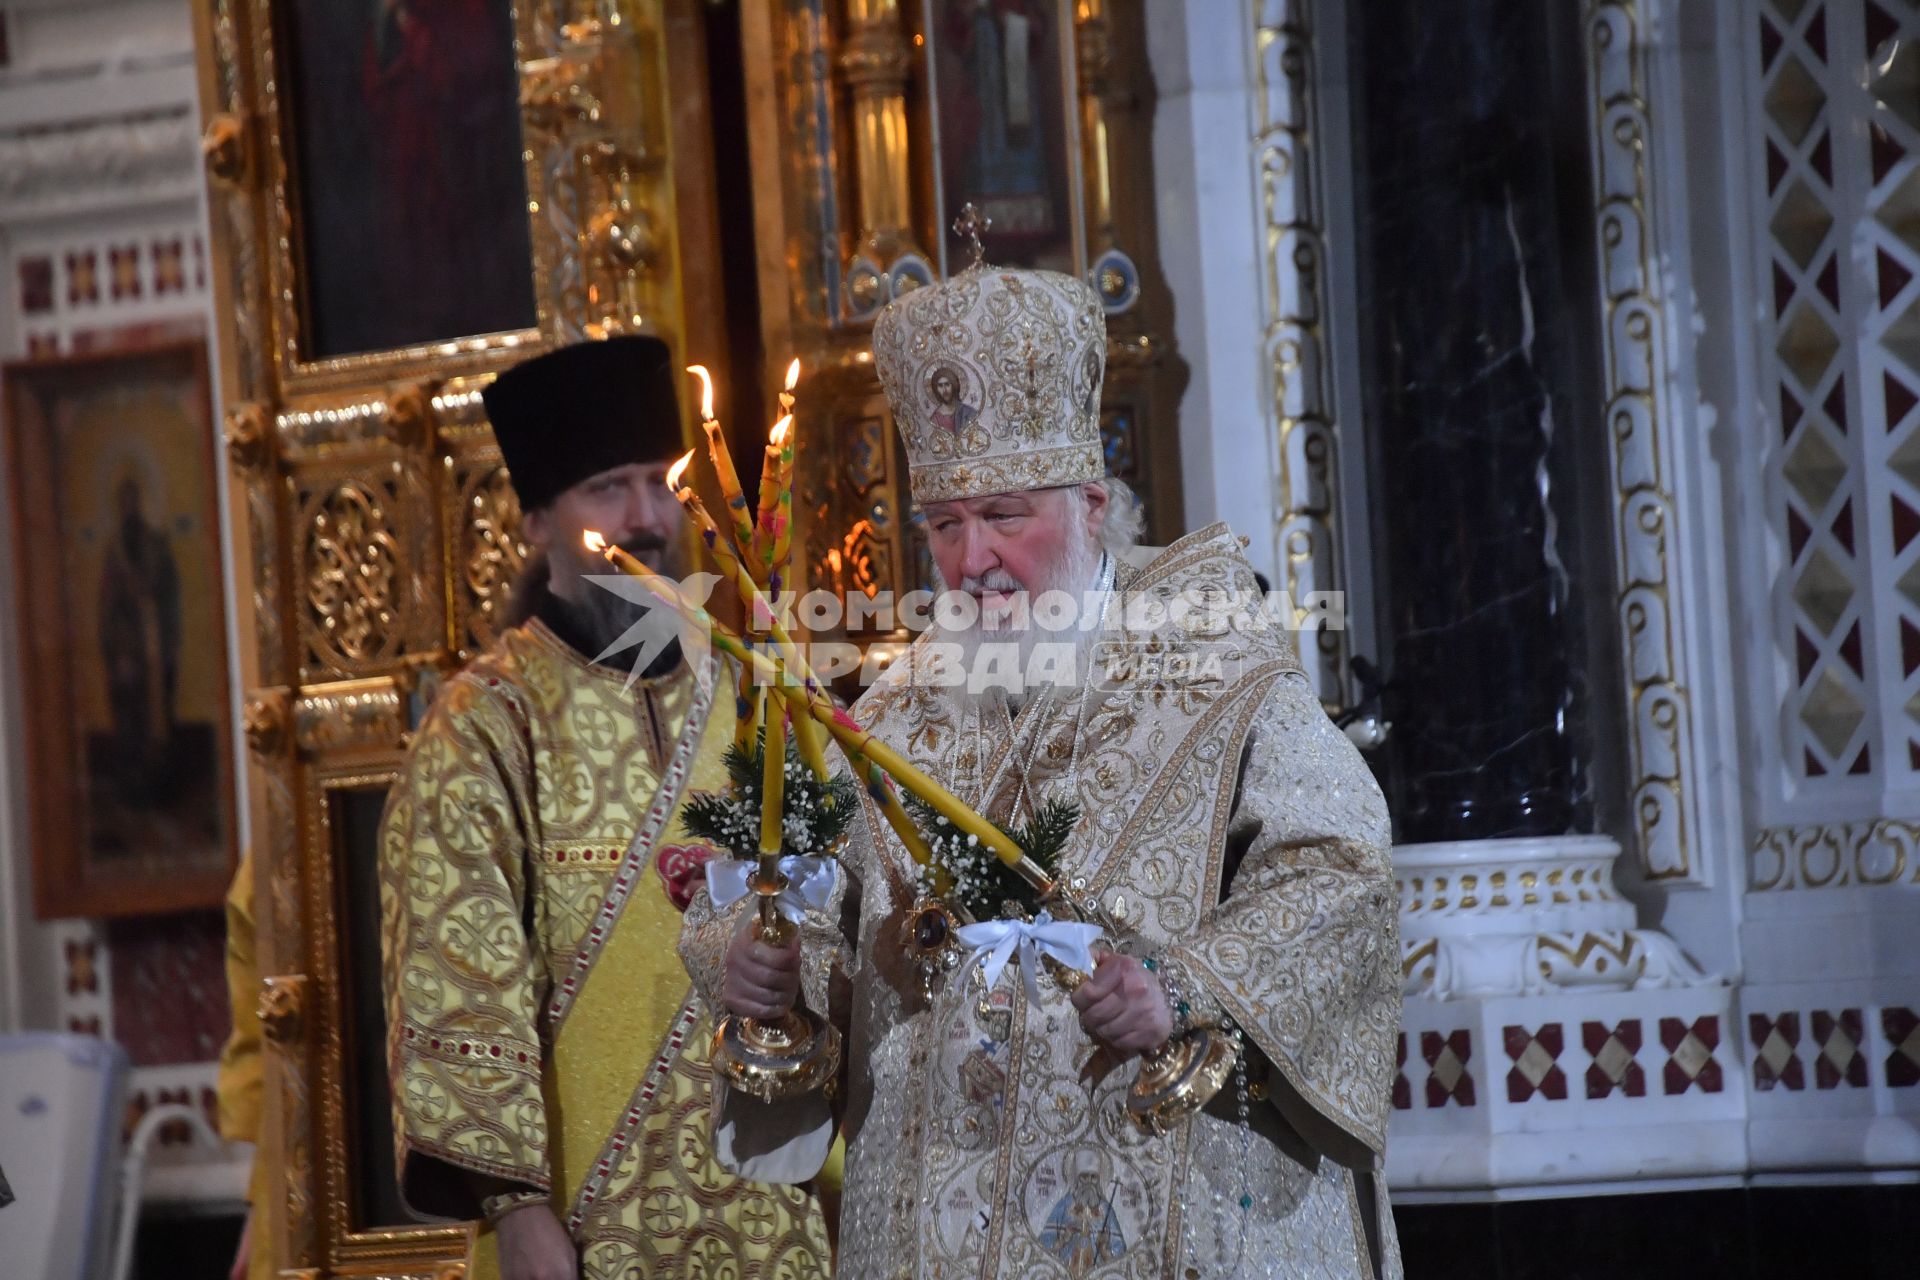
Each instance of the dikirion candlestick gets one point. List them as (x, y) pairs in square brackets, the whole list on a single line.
[(853, 739)]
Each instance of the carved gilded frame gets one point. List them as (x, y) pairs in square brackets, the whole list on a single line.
[(285, 286)]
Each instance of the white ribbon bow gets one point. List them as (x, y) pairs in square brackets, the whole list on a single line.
[(810, 883), (994, 942)]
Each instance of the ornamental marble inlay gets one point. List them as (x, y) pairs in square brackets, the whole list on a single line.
[(1775, 1060), (1447, 1076), (1536, 1058), (1690, 1060), (1902, 1030), (1840, 1039), (1614, 1063)]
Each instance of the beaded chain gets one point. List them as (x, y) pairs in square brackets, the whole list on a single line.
[(1243, 1114)]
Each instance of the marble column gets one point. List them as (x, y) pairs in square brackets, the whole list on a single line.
[(1473, 233)]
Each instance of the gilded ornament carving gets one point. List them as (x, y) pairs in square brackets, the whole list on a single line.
[(493, 552), (1307, 522), (409, 419), (223, 145), (261, 525), (265, 722), (1635, 319), (312, 429), (248, 432), (282, 946), (1111, 272), (283, 1003), (353, 575), (1883, 851), (296, 1155), (348, 716)]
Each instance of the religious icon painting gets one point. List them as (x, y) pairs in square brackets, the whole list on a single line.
[(121, 630), (404, 177), (949, 389), (1007, 136)]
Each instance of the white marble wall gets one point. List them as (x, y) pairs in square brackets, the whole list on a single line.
[(1786, 1041)]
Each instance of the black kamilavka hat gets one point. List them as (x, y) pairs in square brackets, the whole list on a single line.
[(574, 412)]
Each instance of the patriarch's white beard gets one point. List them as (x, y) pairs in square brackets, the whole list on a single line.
[(1008, 653)]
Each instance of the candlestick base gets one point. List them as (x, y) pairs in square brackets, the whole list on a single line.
[(1179, 1078), (777, 1058), (1175, 1080)]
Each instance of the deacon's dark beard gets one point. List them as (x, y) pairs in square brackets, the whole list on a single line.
[(600, 617)]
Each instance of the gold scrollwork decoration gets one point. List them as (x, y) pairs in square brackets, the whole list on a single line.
[(283, 1005), (496, 553), (1634, 319), (1307, 524), (1878, 852), (353, 573)]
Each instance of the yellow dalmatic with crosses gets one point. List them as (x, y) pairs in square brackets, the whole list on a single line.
[(540, 1026)]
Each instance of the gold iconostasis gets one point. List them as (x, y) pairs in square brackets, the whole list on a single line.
[(402, 209)]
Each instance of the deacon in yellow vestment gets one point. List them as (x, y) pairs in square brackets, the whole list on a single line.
[(541, 1028), (542, 1036)]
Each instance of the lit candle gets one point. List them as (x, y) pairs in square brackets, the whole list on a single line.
[(709, 533), (746, 707), (760, 615), (782, 532), (770, 473), (793, 380), (723, 459), (789, 449)]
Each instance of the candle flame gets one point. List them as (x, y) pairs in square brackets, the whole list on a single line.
[(793, 374), (706, 390), (778, 436), (679, 468), (594, 541)]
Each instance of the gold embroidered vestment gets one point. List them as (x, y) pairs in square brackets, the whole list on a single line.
[(1234, 835), (540, 1029)]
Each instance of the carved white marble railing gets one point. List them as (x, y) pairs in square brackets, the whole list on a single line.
[(1482, 918)]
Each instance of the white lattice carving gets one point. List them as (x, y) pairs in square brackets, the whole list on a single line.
[(1837, 214)]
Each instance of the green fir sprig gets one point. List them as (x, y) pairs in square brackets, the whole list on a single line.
[(981, 884), (813, 814)]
